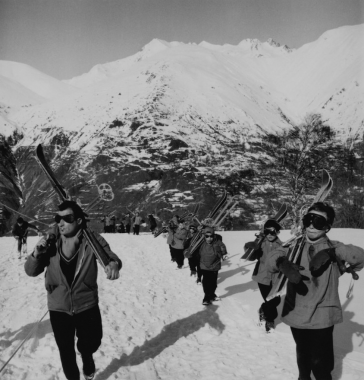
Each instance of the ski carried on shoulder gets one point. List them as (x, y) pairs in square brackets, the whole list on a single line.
[(297, 243), (218, 213), (184, 216), (95, 245), (281, 214)]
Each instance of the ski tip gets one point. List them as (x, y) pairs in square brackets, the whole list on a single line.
[(39, 150)]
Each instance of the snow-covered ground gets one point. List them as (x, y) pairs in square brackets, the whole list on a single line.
[(155, 326)]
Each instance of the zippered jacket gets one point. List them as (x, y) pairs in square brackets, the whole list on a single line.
[(83, 292)]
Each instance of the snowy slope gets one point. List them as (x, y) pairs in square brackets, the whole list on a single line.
[(103, 71), (33, 80), (155, 326)]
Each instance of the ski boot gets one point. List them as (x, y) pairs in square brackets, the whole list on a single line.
[(262, 319), (269, 326), (88, 367)]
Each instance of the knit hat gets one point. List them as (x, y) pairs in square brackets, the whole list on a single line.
[(271, 223), (209, 229)]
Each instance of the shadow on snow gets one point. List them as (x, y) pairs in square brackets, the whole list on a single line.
[(166, 338)]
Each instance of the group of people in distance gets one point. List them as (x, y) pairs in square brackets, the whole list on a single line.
[(311, 306), (129, 221)]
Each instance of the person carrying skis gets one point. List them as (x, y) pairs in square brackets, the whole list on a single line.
[(20, 233), (268, 310), (71, 284), (176, 236), (209, 256), (312, 306), (192, 261)]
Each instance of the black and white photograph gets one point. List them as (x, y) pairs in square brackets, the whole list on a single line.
[(181, 189)]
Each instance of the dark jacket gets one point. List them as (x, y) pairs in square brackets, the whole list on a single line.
[(83, 293), (22, 230)]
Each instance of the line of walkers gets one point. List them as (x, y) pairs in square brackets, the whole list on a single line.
[(204, 262), (311, 306)]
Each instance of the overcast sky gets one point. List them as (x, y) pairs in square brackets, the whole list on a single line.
[(65, 38)]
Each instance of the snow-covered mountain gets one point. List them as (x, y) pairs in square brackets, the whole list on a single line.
[(174, 108)]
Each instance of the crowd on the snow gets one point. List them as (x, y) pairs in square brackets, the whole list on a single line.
[(311, 306), (130, 222)]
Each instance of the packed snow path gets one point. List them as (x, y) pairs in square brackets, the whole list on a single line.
[(155, 326)]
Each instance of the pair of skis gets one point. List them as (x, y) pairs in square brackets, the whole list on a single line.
[(297, 243), (281, 214), (218, 214), (96, 247), (184, 216)]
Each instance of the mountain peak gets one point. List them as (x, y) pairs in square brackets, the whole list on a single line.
[(271, 42), (155, 46)]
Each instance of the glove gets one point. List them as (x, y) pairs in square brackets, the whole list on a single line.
[(186, 254), (249, 245), (319, 260), (43, 245), (257, 254), (290, 270)]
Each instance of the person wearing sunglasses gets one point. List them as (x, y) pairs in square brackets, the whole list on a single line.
[(71, 284), (209, 256), (268, 310), (193, 263), (312, 306)]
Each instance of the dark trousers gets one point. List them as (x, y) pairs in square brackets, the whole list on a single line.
[(209, 283), (127, 228), (194, 263), (136, 229), (22, 240), (269, 307), (315, 352), (87, 326), (177, 255)]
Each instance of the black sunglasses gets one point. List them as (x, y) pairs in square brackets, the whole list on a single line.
[(69, 218), (270, 232), (318, 221), (209, 236)]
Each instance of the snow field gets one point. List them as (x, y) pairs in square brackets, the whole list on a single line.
[(155, 326)]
